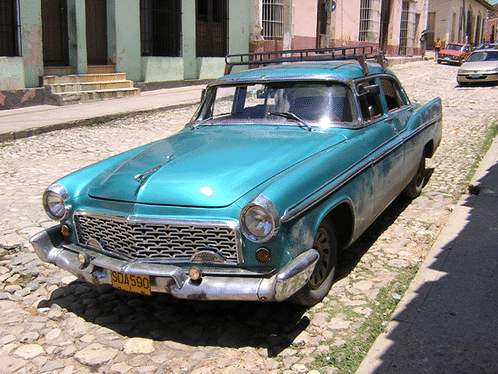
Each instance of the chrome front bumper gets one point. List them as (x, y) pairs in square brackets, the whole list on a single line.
[(232, 284)]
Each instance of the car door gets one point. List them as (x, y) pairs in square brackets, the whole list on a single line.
[(382, 138), (399, 112)]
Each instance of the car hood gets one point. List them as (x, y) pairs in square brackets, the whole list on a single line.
[(479, 65), (207, 167), (450, 52)]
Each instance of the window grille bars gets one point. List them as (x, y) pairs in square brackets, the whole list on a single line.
[(273, 19)]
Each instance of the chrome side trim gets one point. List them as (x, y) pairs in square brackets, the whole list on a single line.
[(323, 192)]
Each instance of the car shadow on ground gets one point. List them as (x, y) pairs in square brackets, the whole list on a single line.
[(235, 324), (349, 257)]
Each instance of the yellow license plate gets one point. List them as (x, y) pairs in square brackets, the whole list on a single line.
[(131, 282)]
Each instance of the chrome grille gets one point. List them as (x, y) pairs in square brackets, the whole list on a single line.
[(173, 241)]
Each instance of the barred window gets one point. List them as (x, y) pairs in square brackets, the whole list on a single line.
[(273, 19), (369, 20), (403, 32), (160, 27), (8, 28)]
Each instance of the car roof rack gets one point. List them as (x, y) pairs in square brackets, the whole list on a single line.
[(361, 54)]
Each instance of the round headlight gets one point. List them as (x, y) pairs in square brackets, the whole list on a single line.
[(53, 202), (259, 220)]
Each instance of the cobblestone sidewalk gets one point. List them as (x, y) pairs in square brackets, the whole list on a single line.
[(52, 323)]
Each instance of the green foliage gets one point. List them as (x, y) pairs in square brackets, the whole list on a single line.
[(348, 357)]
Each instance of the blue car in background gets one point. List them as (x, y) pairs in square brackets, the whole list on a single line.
[(280, 167)]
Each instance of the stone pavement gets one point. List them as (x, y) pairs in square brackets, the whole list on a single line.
[(22, 122), (53, 323)]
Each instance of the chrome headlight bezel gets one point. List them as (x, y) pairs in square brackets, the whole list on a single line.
[(259, 220), (54, 202)]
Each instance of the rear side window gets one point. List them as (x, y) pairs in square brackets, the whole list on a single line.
[(393, 94), (369, 99)]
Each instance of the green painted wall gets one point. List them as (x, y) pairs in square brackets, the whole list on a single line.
[(11, 73), (123, 30), (240, 12), (124, 50), (77, 35), (31, 41), (188, 39), (188, 66)]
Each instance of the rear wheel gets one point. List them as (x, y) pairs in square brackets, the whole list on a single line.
[(320, 282), (415, 186)]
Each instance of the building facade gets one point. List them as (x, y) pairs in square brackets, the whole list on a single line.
[(149, 40), (394, 26), (491, 32), (458, 21)]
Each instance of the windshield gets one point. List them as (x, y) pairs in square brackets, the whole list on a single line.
[(276, 104), (483, 56), (455, 47)]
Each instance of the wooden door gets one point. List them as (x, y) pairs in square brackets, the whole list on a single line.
[(96, 32), (54, 33), (211, 28)]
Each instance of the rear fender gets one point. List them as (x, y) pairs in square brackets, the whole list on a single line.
[(426, 126)]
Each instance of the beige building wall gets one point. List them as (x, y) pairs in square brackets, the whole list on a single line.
[(304, 23), (461, 21), (385, 28), (345, 23)]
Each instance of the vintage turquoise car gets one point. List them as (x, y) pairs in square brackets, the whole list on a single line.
[(280, 167)]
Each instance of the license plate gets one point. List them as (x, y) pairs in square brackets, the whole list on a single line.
[(131, 282), (475, 76)]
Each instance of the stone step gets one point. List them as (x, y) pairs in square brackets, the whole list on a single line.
[(81, 78), (79, 88), (100, 69), (59, 70), (89, 86), (75, 97)]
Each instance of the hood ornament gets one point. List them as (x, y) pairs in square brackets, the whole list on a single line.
[(141, 178)]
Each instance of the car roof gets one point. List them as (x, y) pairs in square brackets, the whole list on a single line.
[(307, 71)]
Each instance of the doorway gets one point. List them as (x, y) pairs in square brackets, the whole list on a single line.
[(54, 33), (96, 32), (211, 28), (385, 17)]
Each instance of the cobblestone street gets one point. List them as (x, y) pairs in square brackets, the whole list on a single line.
[(53, 323)]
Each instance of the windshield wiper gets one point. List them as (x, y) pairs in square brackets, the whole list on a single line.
[(293, 117)]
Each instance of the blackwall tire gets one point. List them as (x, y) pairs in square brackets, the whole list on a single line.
[(415, 186), (320, 282)]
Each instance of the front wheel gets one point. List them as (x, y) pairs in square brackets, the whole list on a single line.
[(320, 282), (415, 186)]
